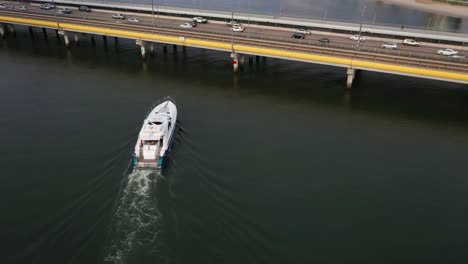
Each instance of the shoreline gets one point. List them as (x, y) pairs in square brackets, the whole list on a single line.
[(432, 6)]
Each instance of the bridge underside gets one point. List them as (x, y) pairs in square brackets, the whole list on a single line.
[(350, 62)]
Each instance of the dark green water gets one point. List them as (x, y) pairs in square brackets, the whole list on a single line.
[(278, 164)]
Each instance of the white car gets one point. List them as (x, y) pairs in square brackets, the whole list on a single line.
[(237, 28), (410, 42), (22, 7), (200, 20), (186, 25), (303, 31), (118, 16), (133, 20), (2, 6), (389, 46), (357, 37), (447, 52)]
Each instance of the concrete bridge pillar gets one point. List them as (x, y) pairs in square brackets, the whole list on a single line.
[(143, 52), (151, 46), (93, 40), (351, 74), (44, 31), (142, 45), (67, 40), (235, 61), (164, 48), (2, 31), (242, 60), (77, 39), (104, 39), (31, 32), (11, 29), (174, 47)]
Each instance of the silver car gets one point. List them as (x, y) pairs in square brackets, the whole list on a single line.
[(133, 20), (389, 46)]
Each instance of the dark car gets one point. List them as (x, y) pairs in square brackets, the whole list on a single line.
[(194, 24), (298, 36), (84, 9), (323, 41), (47, 6), (65, 11)]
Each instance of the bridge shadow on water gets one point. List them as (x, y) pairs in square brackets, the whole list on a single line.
[(289, 82)]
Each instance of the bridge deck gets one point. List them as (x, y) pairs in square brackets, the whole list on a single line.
[(258, 41)]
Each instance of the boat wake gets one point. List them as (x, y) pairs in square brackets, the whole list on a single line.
[(136, 230)]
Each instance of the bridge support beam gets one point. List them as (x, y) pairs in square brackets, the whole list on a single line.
[(142, 45), (151, 46), (143, 52), (77, 39), (2, 31), (11, 29), (67, 40), (235, 61), (351, 75), (104, 40)]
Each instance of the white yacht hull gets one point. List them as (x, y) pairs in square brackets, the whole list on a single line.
[(155, 137)]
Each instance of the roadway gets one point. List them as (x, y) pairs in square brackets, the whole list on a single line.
[(251, 32)]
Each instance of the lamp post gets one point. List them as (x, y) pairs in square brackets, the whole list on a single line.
[(55, 12), (152, 10), (232, 31), (360, 26), (157, 9)]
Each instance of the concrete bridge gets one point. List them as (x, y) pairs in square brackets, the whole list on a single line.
[(267, 36)]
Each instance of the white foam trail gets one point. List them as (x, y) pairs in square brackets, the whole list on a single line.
[(137, 222)]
